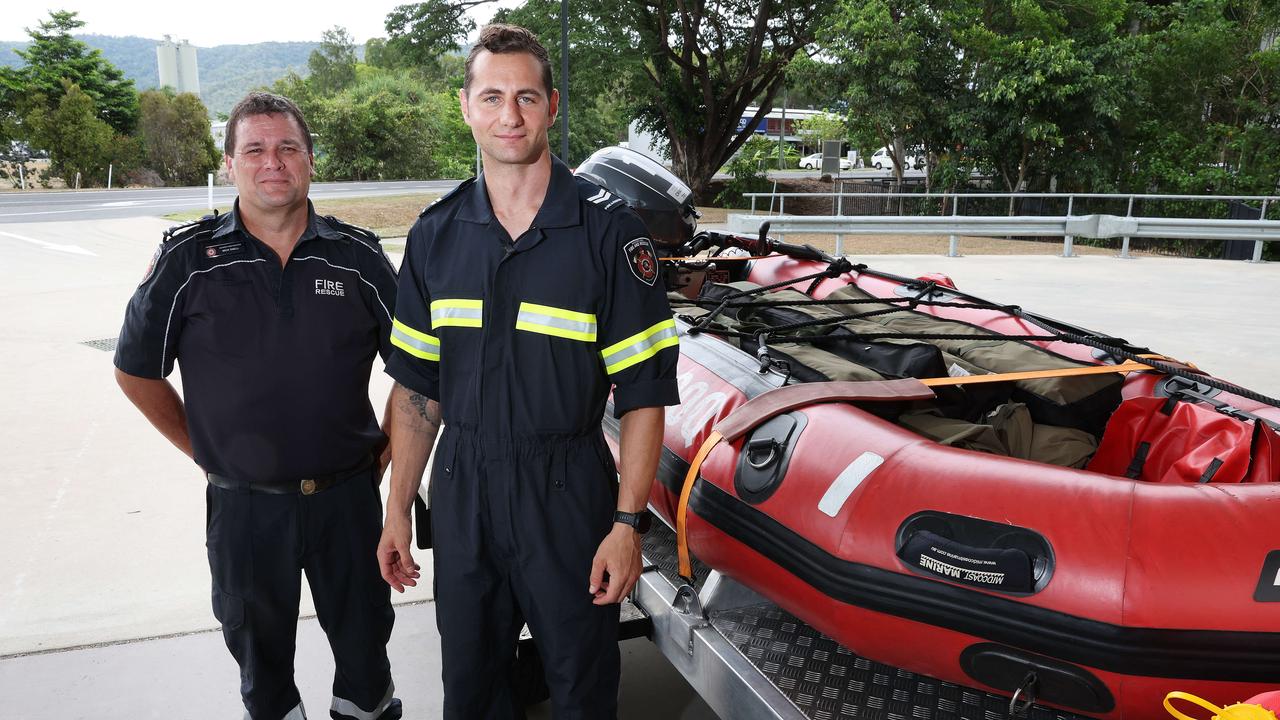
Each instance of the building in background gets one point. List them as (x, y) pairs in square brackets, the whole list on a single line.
[(178, 68)]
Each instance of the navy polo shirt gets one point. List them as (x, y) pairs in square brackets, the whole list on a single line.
[(275, 361), (529, 335)]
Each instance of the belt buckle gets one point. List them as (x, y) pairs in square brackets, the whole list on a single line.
[(308, 486)]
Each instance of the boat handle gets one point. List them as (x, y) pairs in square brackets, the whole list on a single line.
[(1019, 709)]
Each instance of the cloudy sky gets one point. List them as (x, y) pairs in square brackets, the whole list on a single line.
[(212, 22)]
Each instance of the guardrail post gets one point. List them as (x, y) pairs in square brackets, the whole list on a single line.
[(953, 241), (1124, 245), (840, 198), (753, 204), (1257, 245), (782, 204), (1068, 240), (839, 246)]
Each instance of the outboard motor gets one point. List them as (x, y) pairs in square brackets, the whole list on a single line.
[(661, 199)]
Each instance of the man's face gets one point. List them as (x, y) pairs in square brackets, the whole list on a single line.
[(270, 164), (508, 108)]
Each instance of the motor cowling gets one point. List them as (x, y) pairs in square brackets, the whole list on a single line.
[(661, 199)]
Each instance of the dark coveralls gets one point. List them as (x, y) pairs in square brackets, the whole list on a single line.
[(520, 342), (275, 374)]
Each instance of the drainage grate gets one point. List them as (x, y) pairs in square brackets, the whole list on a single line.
[(105, 344)]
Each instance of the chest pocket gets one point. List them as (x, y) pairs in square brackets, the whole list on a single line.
[(557, 322)]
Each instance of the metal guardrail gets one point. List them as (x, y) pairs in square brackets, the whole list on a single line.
[(1067, 227), (838, 197)]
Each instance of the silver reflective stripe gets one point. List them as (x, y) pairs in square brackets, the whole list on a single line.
[(346, 708), (646, 347), (427, 348), (574, 328), (456, 312)]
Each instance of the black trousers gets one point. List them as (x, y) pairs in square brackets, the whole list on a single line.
[(515, 526), (258, 545)]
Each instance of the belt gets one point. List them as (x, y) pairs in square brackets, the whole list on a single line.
[(305, 486)]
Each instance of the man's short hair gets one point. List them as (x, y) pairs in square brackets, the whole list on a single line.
[(264, 103), (498, 38)]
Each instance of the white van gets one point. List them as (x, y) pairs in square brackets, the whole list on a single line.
[(883, 160)]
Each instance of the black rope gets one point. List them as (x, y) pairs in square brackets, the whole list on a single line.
[(835, 269), (1168, 369), (876, 336), (859, 301), (842, 266)]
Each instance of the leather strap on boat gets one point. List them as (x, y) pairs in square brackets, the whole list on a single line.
[(773, 403), (1035, 374)]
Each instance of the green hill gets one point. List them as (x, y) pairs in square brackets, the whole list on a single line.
[(227, 72)]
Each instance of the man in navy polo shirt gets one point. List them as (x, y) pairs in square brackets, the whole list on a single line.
[(274, 316)]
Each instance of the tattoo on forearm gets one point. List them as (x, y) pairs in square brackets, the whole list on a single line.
[(425, 409)]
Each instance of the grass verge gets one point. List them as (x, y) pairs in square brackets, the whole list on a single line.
[(389, 216)]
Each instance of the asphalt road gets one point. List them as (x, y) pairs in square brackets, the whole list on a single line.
[(74, 205)]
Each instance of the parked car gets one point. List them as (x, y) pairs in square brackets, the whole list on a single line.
[(814, 162), (882, 160)]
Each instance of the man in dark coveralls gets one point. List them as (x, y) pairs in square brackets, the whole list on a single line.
[(526, 295), (275, 315)]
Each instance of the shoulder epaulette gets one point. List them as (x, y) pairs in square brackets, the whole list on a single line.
[(440, 201), (344, 226), (177, 232), (596, 196)]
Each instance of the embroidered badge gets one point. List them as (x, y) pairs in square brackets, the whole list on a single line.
[(151, 268), (220, 249), (642, 260)]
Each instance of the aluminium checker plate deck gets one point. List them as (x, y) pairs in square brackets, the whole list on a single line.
[(824, 680)]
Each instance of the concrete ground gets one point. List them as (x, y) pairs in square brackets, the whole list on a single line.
[(104, 601)]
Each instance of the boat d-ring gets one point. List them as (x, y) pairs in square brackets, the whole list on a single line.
[(1025, 696), (768, 459)]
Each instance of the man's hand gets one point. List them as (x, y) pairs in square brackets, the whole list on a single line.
[(394, 559), (616, 566)]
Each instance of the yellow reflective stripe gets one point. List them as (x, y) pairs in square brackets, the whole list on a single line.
[(415, 342), (456, 312), (559, 322), (640, 347)]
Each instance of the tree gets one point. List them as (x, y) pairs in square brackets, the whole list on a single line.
[(422, 32), (898, 69), (705, 63), (1207, 117), (54, 56), (390, 127), (687, 68), (79, 143), (176, 140), (823, 126), (1048, 81), (332, 66)]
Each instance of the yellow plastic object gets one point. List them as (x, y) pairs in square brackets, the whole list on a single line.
[(1239, 711)]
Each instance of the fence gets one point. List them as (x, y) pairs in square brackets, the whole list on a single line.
[(1195, 217)]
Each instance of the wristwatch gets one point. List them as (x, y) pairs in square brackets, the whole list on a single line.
[(638, 521)]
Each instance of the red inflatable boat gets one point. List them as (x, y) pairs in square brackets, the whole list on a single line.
[(968, 490)]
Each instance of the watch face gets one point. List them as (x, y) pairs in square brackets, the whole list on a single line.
[(643, 520)]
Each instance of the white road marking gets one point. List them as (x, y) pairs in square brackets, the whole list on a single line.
[(121, 203), (73, 249)]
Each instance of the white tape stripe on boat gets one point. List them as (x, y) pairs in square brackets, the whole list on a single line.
[(847, 481)]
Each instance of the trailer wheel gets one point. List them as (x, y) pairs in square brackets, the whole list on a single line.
[(528, 682)]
